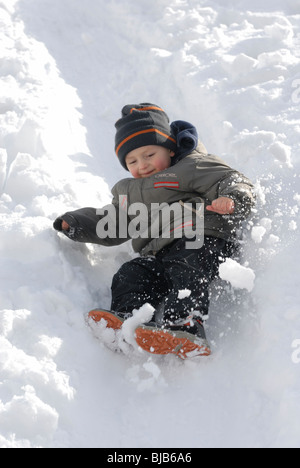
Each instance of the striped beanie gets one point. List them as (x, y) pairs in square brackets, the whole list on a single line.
[(142, 125)]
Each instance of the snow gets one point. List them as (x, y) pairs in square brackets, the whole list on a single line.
[(66, 69), (237, 275), (258, 233), (183, 293)]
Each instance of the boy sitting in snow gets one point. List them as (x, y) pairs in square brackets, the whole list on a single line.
[(170, 167)]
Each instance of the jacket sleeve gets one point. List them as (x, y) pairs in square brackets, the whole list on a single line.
[(96, 226), (239, 188), (213, 178)]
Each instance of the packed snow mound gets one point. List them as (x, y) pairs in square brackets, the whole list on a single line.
[(239, 276), (66, 69)]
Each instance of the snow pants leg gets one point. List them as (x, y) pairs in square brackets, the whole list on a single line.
[(160, 279), (137, 282)]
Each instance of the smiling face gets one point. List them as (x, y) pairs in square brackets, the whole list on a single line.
[(148, 160)]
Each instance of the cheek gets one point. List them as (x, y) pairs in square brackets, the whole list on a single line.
[(134, 172), (161, 165)]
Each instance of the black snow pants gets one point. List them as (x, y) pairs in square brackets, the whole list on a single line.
[(159, 280)]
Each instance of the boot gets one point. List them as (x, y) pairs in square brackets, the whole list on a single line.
[(114, 320), (184, 340)]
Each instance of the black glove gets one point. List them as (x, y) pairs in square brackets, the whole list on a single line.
[(58, 224)]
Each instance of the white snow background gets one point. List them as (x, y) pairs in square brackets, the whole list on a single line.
[(66, 69)]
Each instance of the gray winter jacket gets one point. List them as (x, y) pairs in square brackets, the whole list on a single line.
[(138, 206)]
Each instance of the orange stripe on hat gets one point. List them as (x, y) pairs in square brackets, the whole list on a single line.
[(147, 109), (150, 130)]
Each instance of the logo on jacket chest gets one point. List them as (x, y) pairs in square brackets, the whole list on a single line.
[(165, 175), (164, 182)]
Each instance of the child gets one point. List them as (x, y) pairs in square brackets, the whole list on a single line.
[(170, 168)]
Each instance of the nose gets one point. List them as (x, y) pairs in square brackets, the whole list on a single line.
[(143, 165)]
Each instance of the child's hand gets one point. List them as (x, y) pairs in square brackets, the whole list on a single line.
[(65, 226), (222, 206), (61, 225)]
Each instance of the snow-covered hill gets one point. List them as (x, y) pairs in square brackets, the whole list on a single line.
[(66, 69)]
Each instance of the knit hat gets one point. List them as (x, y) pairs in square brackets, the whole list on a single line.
[(142, 125)]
